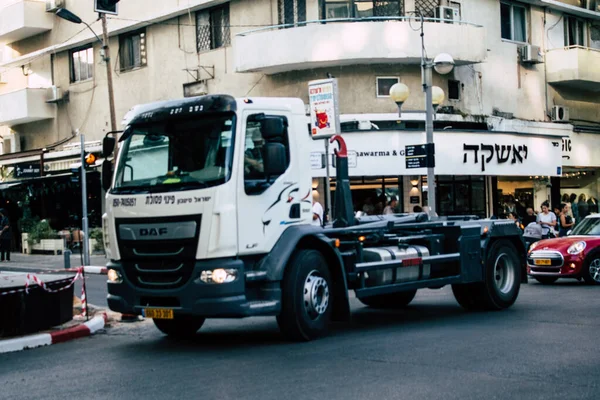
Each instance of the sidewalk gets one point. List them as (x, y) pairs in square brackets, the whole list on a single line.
[(51, 262)]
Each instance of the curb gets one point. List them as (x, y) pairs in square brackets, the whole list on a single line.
[(95, 270), (46, 339)]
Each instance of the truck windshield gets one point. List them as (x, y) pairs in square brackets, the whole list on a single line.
[(176, 155)]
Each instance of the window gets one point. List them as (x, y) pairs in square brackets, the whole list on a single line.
[(427, 7), (255, 149), (333, 9), (575, 32), (384, 85), (212, 28), (132, 50), (453, 90), (513, 22), (291, 11), (82, 64)]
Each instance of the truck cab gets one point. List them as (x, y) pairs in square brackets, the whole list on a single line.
[(209, 214)]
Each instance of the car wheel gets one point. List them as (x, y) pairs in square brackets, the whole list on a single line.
[(591, 270), (546, 280)]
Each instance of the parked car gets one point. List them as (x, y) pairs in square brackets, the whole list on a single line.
[(576, 255)]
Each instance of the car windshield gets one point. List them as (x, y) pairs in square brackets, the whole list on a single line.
[(176, 155), (589, 226)]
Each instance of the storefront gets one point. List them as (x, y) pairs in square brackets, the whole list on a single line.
[(468, 167), (580, 180)]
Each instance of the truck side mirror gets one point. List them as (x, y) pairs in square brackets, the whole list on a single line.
[(107, 171), (108, 146), (275, 161), (272, 128)]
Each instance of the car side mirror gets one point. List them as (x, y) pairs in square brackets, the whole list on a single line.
[(107, 172), (108, 146), (275, 161)]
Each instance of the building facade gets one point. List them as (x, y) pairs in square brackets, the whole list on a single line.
[(520, 118)]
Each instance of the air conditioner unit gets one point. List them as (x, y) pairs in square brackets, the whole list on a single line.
[(531, 54), (560, 114), (449, 15), (54, 94), (53, 5)]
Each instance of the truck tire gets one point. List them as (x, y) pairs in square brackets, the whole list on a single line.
[(591, 269), (306, 299), (389, 301), (183, 326), (501, 284), (546, 280)]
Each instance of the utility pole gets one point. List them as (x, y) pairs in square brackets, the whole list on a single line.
[(111, 95), (427, 81), (84, 212)]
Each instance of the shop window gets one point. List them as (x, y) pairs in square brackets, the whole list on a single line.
[(333, 9), (461, 195), (132, 50), (384, 85), (453, 90), (82, 64), (291, 12), (213, 28), (255, 147), (513, 21), (575, 32)]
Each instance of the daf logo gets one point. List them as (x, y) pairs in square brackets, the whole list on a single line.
[(153, 232)]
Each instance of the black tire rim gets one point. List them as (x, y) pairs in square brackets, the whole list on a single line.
[(594, 270)]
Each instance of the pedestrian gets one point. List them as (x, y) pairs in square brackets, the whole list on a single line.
[(582, 207), (391, 207), (529, 217), (5, 235), (574, 208), (317, 210), (417, 209), (566, 221), (547, 219)]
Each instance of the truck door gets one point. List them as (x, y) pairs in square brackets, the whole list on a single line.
[(267, 205)]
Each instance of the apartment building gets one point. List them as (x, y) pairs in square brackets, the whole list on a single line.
[(520, 116)]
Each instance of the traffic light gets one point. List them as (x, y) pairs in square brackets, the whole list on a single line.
[(90, 159), (106, 6)]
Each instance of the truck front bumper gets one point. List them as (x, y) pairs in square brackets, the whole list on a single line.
[(236, 299)]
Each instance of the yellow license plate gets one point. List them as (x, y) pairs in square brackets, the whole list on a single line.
[(542, 261), (158, 313)]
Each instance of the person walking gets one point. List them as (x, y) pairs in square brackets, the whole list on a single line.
[(391, 207), (5, 236), (317, 210), (547, 219), (566, 221)]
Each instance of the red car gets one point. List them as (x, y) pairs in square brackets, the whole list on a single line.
[(574, 256)]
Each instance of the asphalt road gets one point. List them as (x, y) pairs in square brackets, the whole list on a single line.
[(544, 347)]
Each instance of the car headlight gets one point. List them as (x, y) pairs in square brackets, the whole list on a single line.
[(576, 248), (533, 246)]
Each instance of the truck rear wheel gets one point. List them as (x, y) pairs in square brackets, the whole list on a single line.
[(501, 284), (391, 300), (306, 298), (181, 327)]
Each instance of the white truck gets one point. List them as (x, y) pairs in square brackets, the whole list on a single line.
[(209, 215)]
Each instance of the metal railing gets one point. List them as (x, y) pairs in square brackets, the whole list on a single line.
[(575, 47), (365, 19)]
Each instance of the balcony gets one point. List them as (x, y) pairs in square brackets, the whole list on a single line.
[(24, 19), (25, 105), (576, 67), (339, 42)]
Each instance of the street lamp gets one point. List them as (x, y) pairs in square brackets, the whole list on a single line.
[(434, 96), (69, 16)]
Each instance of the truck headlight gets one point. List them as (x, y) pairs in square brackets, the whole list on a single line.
[(114, 276), (219, 275), (576, 248)]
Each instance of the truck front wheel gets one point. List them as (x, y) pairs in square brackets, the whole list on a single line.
[(181, 327), (501, 284), (392, 300), (306, 298)]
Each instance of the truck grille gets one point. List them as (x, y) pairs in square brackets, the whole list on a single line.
[(158, 253)]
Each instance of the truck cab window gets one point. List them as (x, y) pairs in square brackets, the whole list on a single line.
[(255, 150)]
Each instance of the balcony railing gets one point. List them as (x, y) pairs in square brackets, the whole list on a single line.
[(351, 41), (574, 66)]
